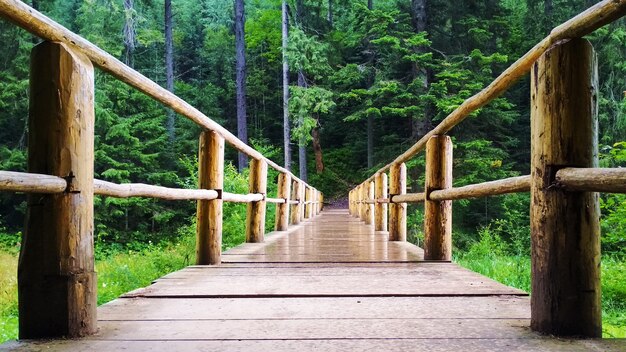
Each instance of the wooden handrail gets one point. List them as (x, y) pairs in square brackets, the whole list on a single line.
[(586, 22), (58, 239), (564, 212), (31, 183), (40, 25), (592, 179), (24, 182)]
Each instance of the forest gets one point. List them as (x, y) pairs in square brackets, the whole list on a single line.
[(331, 89)]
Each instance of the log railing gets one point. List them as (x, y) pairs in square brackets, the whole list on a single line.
[(56, 277), (565, 230)]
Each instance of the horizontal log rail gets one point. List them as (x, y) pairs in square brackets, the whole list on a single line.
[(586, 22), (564, 212), (129, 190), (491, 188), (34, 183), (40, 25), (592, 179), (23, 182), (60, 224)]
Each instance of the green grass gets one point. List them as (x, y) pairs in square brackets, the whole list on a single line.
[(8, 296), (489, 257)]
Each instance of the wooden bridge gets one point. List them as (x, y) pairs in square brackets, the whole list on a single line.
[(333, 280), (331, 284)]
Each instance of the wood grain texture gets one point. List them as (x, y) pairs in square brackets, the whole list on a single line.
[(295, 208), (535, 344), (584, 23), (592, 179), (369, 206), (209, 216), (491, 188), (380, 209), (282, 210), (128, 190), (255, 215), (397, 211), (31, 183), (565, 229), (438, 213), (281, 306), (38, 24), (56, 277)]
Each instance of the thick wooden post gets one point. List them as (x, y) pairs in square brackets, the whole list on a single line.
[(295, 208), (209, 213), (362, 205), (307, 204), (380, 209), (56, 277), (565, 229), (397, 211), (302, 198), (282, 210), (350, 202), (438, 214), (369, 208), (255, 219)]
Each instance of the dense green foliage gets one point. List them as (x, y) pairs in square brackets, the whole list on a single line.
[(367, 64)]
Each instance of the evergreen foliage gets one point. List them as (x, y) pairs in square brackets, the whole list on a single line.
[(365, 64)]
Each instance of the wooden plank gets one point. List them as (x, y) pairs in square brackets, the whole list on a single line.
[(427, 283), (493, 307), (538, 344)]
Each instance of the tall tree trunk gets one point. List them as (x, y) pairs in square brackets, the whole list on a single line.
[(302, 145), (329, 16), (548, 11), (317, 148), (421, 124), (240, 45), (370, 118), (129, 32), (169, 68), (286, 126), (301, 83)]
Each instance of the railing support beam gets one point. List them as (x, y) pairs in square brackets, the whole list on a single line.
[(56, 277), (255, 217), (438, 214), (282, 210), (397, 211), (380, 209), (210, 212), (565, 230)]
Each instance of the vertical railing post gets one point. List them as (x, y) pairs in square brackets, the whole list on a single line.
[(380, 209), (209, 212), (438, 214), (362, 210), (321, 202), (307, 204), (282, 210), (56, 277), (350, 202), (397, 211), (302, 198), (295, 208), (369, 209), (255, 219), (565, 230)]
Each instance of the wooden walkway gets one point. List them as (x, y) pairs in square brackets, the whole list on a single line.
[(331, 284)]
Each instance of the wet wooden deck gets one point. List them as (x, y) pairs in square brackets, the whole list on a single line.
[(330, 284)]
